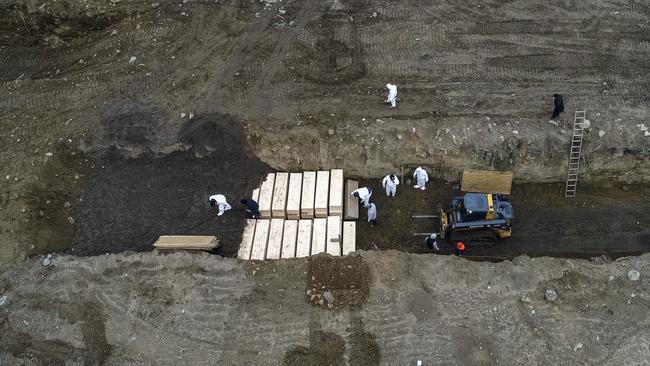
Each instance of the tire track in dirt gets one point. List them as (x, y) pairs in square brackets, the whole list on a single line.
[(283, 42), (225, 81)]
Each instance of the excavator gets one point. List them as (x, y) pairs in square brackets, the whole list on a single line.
[(481, 214)]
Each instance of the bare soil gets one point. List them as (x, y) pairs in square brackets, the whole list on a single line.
[(602, 220), (199, 309), (119, 85), (347, 279), (127, 203), (119, 118)]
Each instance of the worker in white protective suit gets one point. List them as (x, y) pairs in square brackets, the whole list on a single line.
[(421, 178), (220, 200), (390, 184), (372, 214), (392, 95), (363, 194)]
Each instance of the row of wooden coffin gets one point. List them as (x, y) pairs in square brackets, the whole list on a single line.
[(301, 195), (279, 238)]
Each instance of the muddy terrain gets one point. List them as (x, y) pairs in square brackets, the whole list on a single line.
[(119, 119), (610, 220)]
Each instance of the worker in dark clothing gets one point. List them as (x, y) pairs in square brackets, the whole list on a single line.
[(460, 249), (251, 207), (559, 105), (431, 243)]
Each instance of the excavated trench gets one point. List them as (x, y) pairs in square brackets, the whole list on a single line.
[(126, 203), (608, 220)]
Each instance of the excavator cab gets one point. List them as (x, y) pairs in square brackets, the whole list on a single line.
[(475, 206)]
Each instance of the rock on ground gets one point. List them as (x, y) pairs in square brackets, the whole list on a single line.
[(550, 295)]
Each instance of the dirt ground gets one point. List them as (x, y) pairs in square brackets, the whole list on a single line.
[(116, 83), (119, 118), (199, 309), (127, 203), (610, 220)]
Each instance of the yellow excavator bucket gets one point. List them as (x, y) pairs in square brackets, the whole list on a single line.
[(486, 181)]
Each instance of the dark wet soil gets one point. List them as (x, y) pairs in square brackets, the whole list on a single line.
[(602, 220), (128, 203), (347, 278)]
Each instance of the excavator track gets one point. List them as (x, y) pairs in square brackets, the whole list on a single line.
[(480, 237)]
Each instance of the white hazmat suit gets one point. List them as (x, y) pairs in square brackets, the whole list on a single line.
[(390, 185), (221, 201), (372, 213), (421, 177), (392, 95), (363, 194)]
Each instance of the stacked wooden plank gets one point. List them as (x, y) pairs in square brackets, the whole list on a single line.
[(247, 240), (289, 239), (279, 205), (280, 238), (293, 197), (351, 203), (308, 195), (274, 244), (260, 240), (319, 236), (256, 195), (334, 235), (266, 196), (349, 237), (302, 215), (321, 199), (303, 246), (336, 193), (187, 242)]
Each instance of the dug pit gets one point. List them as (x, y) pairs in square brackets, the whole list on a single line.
[(127, 203), (605, 219), (337, 282)]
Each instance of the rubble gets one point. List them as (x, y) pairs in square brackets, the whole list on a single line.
[(327, 295), (47, 260), (550, 295)]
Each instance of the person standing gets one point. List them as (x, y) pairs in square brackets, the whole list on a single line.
[(392, 95), (432, 243), (251, 207), (460, 249), (422, 177), (220, 200), (390, 184), (363, 194), (372, 214), (558, 103)]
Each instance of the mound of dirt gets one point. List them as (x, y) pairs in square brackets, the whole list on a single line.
[(347, 279)]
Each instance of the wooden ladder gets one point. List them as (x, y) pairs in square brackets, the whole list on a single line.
[(574, 154)]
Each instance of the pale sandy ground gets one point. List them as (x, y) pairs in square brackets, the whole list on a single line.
[(199, 309)]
